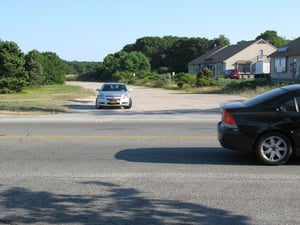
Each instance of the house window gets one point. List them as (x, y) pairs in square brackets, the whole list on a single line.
[(280, 65), (245, 68), (261, 55)]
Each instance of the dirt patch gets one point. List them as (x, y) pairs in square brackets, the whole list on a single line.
[(151, 99)]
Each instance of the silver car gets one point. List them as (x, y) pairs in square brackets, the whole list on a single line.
[(113, 94)]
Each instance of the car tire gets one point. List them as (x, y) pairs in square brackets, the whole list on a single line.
[(129, 105), (274, 148), (97, 106)]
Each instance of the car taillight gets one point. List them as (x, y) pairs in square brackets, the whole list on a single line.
[(228, 119)]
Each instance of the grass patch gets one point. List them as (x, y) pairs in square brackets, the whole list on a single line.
[(245, 88), (47, 99)]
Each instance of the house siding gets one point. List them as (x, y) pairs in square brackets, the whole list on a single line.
[(250, 54), (291, 54), (292, 69)]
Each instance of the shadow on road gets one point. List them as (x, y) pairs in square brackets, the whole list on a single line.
[(90, 109), (187, 156), (115, 205), (219, 156)]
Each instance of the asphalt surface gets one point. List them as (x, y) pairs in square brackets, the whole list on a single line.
[(137, 172), (157, 163)]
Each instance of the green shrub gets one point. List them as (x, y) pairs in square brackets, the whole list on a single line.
[(162, 80), (183, 79), (11, 85), (204, 78)]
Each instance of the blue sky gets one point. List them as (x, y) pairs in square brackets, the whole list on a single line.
[(89, 30)]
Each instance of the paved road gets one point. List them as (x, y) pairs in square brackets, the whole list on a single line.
[(139, 166), (141, 172)]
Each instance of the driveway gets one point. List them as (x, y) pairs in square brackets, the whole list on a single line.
[(150, 104), (149, 99)]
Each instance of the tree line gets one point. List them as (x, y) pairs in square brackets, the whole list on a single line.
[(151, 54), (148, 59), (19, 70), (166, 55)]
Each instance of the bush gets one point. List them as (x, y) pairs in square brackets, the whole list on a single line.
[(204, 82), (162, 80), (11, 84), (204, 78), (182, 79)]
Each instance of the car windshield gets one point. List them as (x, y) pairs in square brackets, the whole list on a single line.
[(114, 87), (264, 97)]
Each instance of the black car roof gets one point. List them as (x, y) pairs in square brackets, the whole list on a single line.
[(293, 87), (272, 94)]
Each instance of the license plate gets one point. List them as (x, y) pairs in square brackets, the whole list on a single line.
[(113, 101)]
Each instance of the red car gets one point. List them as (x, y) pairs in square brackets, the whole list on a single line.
[(232, 74)]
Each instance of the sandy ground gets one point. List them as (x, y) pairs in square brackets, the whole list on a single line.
[(149, 99)]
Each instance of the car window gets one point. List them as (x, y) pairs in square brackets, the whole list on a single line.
[(107, 88), (114, 87), (121, 88), (292, 105), (289, 106)]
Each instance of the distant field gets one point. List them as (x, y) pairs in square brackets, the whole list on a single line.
[(48, 99)]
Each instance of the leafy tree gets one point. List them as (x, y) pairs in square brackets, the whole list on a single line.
[(123, 76), (34, 68), (13, 76), (133, 62), (80, 68), (221, 41), (173, 53), (184, 50), (273, 38), (94, 72), (111, 64), (54, 68), (90, 71), (155, 48)]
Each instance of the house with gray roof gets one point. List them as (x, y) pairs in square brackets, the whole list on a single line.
[(242, 57), (285, 62)]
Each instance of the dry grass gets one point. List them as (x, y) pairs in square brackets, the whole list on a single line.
[(43, 100)]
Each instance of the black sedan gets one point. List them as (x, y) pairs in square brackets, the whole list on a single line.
[(268, 124)]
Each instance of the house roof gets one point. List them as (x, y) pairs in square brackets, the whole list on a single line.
[(207, 55), (292, 49), (221, 53)]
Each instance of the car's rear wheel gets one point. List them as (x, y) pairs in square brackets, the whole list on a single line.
[(274, 148)]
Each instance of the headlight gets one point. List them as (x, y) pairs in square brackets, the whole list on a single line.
[(126, 95), (101, 95)]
